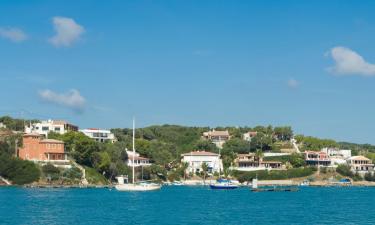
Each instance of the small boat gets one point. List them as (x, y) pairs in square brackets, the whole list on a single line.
[(134, 186), (223, 184), (255, 188), (139, 186), (305, 183)]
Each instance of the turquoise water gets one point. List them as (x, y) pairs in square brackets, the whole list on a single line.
[(187, 205)]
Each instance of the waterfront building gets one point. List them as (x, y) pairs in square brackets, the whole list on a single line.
[(99, 135), (46, 126), (360, 164), (252, 162), (38, 149), (317, 158), (337, 156), (249, 135), (138, 160), (217, 137), (195, 159)]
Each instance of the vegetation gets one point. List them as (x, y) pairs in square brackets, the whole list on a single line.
[(18, 171), (274, 174), (344, 170), (15, 124), (314, 144)]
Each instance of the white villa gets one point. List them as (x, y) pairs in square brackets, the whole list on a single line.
[(138, 160), (2, 125), (337, 156), (360, 164), (249, 135), (195, 160), (99, 135), (46, 126), (217, 137)]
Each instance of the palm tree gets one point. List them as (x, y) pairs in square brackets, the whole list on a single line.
[(259, 154), (204, 170), (184, 166)]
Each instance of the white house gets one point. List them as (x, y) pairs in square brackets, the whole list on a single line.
[(249, 135), (2, 125), (46, 126), (138, 160), (217, 137), (99, 135), (337, 156), (195, 160), (360, 164)]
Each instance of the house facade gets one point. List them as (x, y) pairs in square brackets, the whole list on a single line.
[(137, 160), (249, 135), (337, 156), (252, 162), (99, 135), (46, 126), (217, 137), (36, 148), (317, 158), (360, 164), (195, 159)]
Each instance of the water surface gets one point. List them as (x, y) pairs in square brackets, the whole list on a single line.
[(187, 205)]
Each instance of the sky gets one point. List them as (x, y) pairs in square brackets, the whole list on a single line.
[(307, 64)]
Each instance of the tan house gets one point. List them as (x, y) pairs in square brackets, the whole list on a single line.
[(217, 137), (360, 164), (251, 162)]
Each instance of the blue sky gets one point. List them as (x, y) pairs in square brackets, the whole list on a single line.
[(309, 64)]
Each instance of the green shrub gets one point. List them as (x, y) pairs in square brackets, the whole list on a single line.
[(18, 171), (274, 174), (73, 173), (51, 171), (344, 170)]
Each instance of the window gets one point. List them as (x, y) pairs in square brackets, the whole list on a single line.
[(45, 128), (57, 128)]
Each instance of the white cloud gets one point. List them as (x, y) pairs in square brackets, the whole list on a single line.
[(349, 62), (72, 99), (292, 83), (67, 32), (13, 34)]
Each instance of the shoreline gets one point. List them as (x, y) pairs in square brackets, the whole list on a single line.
[(192, 183)]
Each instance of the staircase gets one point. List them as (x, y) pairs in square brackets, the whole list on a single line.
[(295, 146), (5, 181), (83, 179)]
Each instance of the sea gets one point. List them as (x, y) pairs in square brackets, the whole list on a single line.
[(187, 205)]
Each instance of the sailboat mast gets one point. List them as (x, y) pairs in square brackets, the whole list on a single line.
[(133, 148)]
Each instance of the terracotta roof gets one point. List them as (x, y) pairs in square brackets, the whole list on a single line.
[(32, 135), (359, 157), (51, 141), (216, 133), (200, 153), (263, 162), (137, 158)]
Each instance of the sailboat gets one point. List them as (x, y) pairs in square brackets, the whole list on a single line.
[(222, 183), (134, 186)]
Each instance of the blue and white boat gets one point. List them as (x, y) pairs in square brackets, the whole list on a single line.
[(223, 184)]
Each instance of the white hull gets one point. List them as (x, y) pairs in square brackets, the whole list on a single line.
[(137, 187)]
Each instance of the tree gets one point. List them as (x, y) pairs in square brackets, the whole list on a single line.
[(204, 171), (262, 141), (236, 145), (51, 172), (205, 145), (184, 167), (283, 133)]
